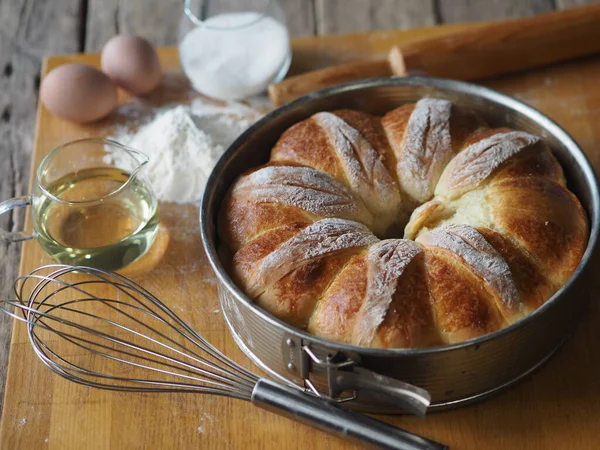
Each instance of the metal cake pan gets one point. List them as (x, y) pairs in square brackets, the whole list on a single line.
[(454, 375)]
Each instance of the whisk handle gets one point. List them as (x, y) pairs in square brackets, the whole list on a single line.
[(332, 419)]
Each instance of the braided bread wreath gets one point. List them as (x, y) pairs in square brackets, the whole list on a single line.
[(491, 231)]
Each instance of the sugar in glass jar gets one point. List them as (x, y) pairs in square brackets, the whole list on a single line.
[(231, 54)]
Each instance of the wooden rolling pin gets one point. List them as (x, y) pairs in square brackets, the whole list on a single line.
[(482, 52)]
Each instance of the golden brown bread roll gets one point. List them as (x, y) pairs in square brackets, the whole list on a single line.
[(275, 195), (493, 230), (328, 143)]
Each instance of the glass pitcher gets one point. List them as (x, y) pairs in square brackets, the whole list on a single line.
[(91, 205)]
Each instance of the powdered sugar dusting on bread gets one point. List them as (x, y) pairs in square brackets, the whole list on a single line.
[(386, 262), (476, 163), (304, 188), (427, 148), (365, 172), (324, 237), (470, 246)]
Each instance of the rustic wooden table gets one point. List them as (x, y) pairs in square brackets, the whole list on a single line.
[(32, 29)]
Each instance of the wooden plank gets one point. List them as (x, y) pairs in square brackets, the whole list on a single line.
[(156, 20), (24, 41), (564, 4), (300, 17), (102, 22), (106, 18), (470, 10), (352, 16), (299, 14)]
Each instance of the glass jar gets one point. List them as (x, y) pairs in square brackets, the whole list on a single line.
[(230, 54)]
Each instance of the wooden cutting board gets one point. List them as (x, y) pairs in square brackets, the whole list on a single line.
[(558, 407)]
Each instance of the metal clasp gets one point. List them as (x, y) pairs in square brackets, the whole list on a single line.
[(340, 372), (302, 360)]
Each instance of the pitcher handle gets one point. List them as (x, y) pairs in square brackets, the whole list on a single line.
[(8, 205)]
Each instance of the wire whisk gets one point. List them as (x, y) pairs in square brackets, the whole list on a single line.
[(100, 329)]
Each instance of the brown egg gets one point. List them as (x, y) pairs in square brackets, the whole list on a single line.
[(132, 63), (78, 92)]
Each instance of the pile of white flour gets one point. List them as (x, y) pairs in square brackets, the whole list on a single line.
[(184, 143)]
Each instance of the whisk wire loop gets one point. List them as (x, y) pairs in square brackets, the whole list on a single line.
[(75, 372), (125, 285), (196, 364)]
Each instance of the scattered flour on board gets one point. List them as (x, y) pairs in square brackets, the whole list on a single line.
[(206, 419), (183, 144)]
